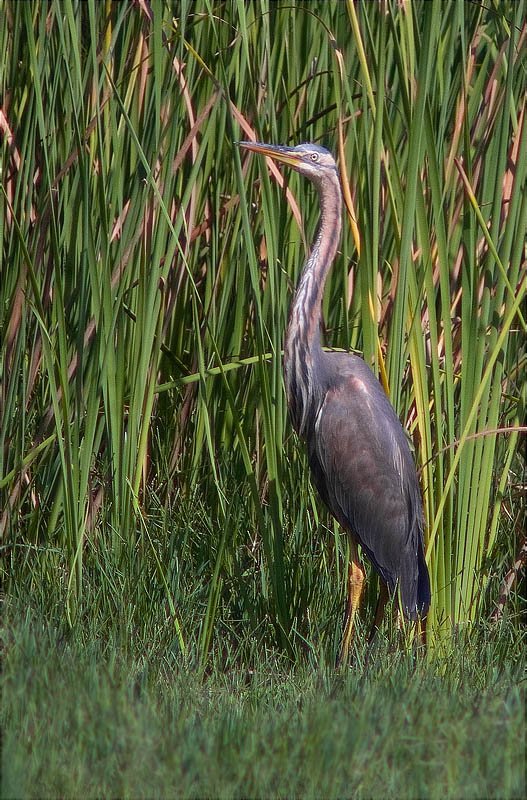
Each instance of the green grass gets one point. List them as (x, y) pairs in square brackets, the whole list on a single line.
[(174, 588), (80, 718), (147, 269)]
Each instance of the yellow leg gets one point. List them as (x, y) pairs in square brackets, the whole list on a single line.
[(379, 611), (355, 584)]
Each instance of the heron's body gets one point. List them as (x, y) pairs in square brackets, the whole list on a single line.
[(358, 452), (361, 465)]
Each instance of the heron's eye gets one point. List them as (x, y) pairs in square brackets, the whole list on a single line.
[(314, 157)]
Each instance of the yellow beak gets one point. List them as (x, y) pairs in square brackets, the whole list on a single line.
[(286, 155)]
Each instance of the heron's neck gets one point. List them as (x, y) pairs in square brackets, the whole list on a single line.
[(302, 348)]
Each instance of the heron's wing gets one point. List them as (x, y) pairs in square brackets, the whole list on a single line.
[(364, 470)]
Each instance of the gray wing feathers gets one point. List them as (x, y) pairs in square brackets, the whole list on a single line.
[(363, 468)]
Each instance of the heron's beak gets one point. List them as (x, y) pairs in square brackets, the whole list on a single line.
[(286, 155)]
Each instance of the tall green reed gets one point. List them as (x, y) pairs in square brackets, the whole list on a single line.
[(147, 272)]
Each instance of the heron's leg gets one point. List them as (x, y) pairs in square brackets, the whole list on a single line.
[(421, 633), (379, 611), (355, 584)]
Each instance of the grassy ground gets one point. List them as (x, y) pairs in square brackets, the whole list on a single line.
[(173, 586), (81, 717)]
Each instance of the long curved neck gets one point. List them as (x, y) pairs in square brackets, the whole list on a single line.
[(302, 348)]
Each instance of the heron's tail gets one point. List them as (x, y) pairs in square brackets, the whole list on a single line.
[(423, 583), (414, 588)]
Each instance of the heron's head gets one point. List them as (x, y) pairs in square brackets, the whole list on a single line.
[(309, 159)]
